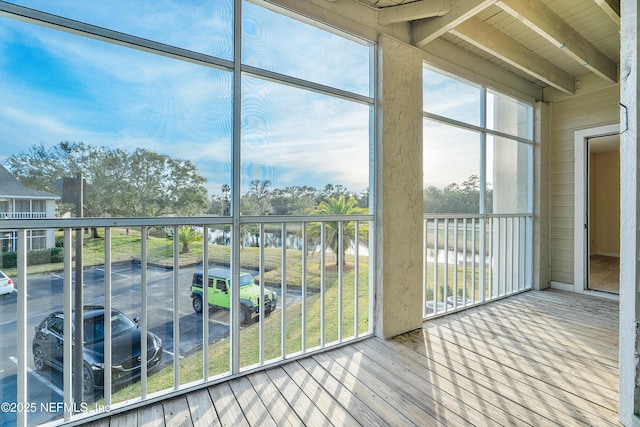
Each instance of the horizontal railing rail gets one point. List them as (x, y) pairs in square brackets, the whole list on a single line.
[(470, 259), (312, 289)]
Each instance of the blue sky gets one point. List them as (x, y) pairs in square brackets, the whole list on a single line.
[(57, 87)]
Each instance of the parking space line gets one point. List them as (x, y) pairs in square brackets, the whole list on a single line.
[(114, 272), (40, 378), (173, 356)]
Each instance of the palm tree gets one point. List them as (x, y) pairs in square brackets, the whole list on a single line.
[(339, 206), (186, 236)]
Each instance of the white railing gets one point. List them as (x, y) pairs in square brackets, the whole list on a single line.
[(137, 266), (23, 215), (473, 259)]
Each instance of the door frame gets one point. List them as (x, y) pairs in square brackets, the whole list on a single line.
[(581, 209)]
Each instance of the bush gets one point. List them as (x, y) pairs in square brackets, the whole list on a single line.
[(37, 257)]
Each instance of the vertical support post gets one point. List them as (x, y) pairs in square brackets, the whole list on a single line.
[(629, 214), (234, 296)]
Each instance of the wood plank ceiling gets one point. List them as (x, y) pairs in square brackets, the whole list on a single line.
[(546, 42)]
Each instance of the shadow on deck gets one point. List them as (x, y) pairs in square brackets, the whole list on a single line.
[(537, 358)]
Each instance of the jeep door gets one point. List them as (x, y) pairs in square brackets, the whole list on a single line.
[(219, 293)]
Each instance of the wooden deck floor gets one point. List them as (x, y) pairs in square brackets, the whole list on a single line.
[(539, 358)]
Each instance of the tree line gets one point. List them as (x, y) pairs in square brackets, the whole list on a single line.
[(144, 183)]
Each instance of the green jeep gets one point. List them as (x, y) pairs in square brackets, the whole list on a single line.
[(219, 285)]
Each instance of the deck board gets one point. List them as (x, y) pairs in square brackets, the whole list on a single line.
[(545, 358)]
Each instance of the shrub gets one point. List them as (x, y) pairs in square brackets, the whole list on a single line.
[(37, 257)]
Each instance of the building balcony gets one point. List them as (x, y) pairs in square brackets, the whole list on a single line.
[(536, 358), (23, 215)]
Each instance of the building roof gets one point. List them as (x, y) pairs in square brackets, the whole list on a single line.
[(10, 187)]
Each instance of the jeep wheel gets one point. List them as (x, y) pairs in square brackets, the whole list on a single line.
[(245, 315), (197, 303)]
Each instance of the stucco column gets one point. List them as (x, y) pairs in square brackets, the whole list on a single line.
[(629, 215), (399, 295)]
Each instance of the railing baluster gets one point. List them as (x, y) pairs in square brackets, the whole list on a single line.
[(473, 259), (464, 262), (514, 257), (322, 284), (261, 273), (435, 266), (205, 302), (176, 310), (284, 291), (144, 318), (445, 276), (356, 271), (455, 264), (107, 318), (304, 287), (340, 266), (425, 264), (21, 322), (67, 378)]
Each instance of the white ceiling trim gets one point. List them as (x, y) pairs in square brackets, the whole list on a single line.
[(547, 24), (487, 38)]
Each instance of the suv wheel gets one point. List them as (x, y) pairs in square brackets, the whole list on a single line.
[(38, 358), (197, 303), (87, 382)]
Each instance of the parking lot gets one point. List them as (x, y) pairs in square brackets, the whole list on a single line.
[(45, 295)]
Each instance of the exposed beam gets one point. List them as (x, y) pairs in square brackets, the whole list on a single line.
[(611, 8), (547, 24), (414, 11), (487, 38), (426, 30)]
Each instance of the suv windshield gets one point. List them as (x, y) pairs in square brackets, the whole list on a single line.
[(246, 280), (94, 326)]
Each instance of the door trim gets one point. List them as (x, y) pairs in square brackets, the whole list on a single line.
[(580, 248)]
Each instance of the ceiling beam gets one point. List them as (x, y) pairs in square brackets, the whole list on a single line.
[(445, 56), (611, 8), (547, 24), (414, 11), (425, 30), (487, 38)]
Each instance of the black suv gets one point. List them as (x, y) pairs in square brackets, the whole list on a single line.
[(126, 335)]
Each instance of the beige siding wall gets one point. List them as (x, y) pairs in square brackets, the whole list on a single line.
[(593, 109)]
